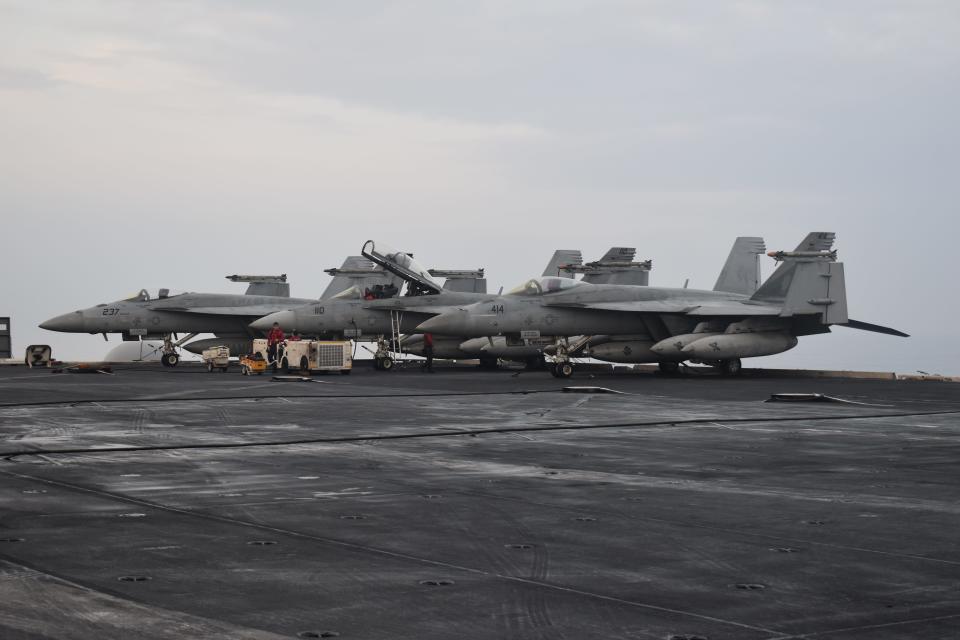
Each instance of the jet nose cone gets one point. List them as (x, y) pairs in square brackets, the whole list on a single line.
[(66, 322), (286, 319), (445, 323)]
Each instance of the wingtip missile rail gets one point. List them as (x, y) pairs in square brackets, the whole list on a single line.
[(780, 256), (257, 279), (604, 266)]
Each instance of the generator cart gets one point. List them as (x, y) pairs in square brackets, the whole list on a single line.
[(217, 358)]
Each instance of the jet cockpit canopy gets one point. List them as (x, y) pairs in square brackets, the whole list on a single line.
[(146, 295), (541, 286), (403, 265)]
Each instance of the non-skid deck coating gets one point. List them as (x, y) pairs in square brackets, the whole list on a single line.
[(470, 504)]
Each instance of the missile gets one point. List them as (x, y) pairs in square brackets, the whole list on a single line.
[(672, 348), (740, 345), (783, 255)]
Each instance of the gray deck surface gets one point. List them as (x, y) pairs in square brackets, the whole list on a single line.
[(475, 504)]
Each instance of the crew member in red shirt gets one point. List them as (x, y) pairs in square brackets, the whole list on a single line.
[(274, 339), (428, 351)]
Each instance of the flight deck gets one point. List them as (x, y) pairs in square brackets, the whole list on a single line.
[(156, 502)]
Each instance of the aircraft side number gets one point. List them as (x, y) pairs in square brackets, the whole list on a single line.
[(318, 310), (497, 308), (111, 311)]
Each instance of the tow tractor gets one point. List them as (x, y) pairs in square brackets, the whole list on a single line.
[(253, 363), (309, 355)]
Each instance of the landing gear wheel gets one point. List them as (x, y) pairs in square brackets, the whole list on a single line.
[(563, 370), (169, 359), (669, 368), (386, 364), (731, 367)]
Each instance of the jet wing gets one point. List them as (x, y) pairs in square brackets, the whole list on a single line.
[(647, 306), (735, 310), (256, 310), (665, 306), (425, 310)]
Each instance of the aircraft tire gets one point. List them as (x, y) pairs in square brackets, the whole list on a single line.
[(564, 370), (386, 364), (731, 367), (169, 359), (669, 368)]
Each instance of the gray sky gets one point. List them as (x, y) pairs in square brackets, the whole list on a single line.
[(168, 143)]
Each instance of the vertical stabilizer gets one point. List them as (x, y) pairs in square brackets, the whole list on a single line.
[(741, 272), (810, 284), (461, 281), (562, 257), (619, 254), (359, 272), (775, 287)]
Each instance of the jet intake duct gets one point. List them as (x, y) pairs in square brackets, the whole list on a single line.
[(740, 345)]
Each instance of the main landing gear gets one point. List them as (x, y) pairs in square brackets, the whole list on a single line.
[(383, 357), (731, 367), (561, 369), (170, 357), (561, 366)]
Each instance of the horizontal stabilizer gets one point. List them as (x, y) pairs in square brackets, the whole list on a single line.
[(876, 328)]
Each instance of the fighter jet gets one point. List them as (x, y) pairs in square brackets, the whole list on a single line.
[(616, 266), (164, 315), (805, 295), (740, 274), (354, 313)]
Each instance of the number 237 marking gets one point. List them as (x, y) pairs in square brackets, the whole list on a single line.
[(111, 311)]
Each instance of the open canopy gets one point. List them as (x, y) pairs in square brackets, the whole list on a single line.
[(401, 264)]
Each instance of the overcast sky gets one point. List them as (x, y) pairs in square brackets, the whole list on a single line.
[(172, 143)]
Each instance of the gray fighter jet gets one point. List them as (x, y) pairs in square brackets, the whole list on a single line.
[(164, 315), (805, 295), (740, 274)]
